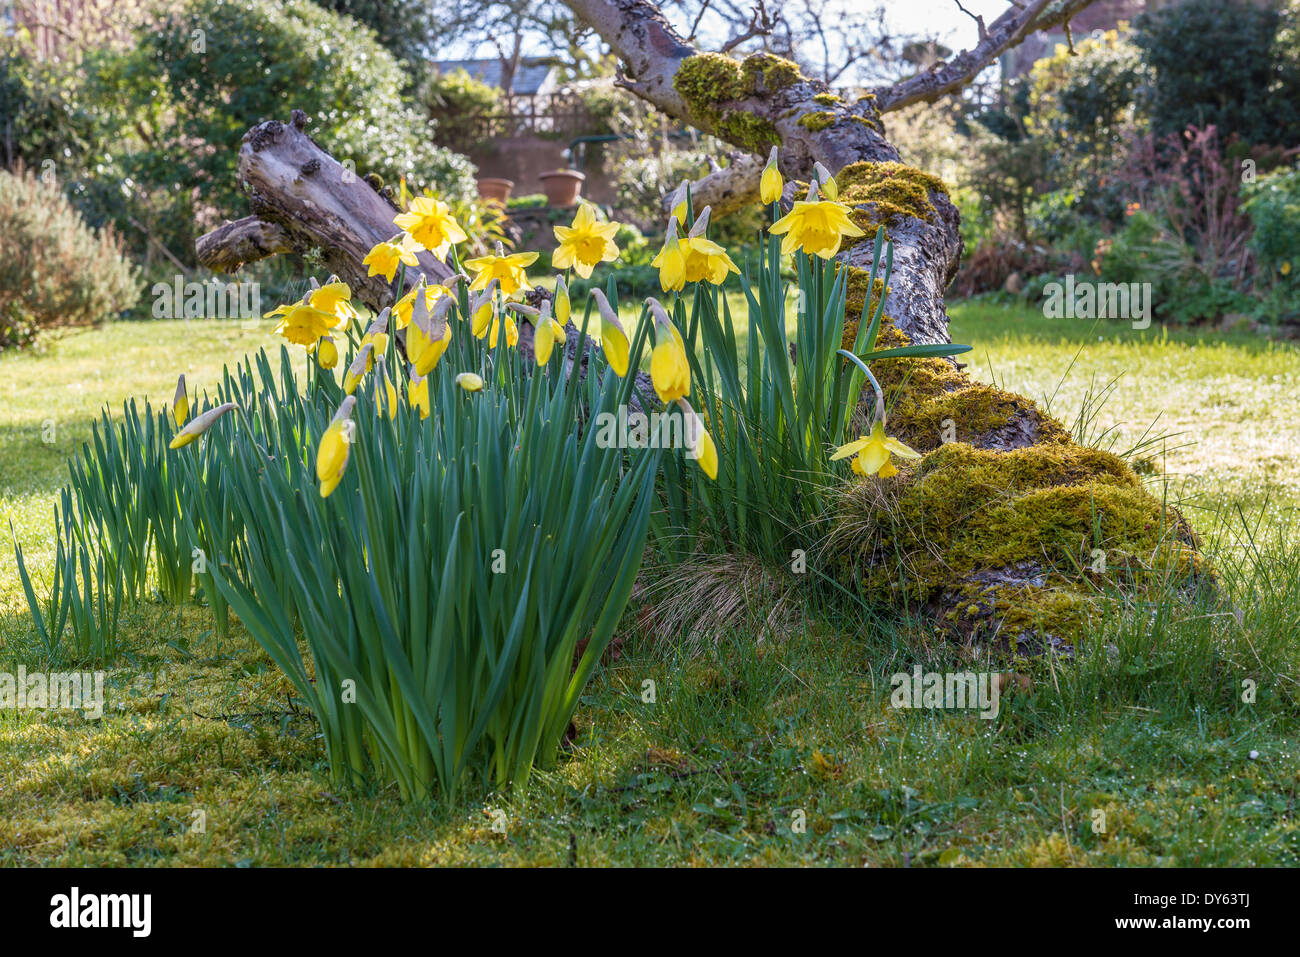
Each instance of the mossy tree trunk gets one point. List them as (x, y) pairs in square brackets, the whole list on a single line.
[(1007, 531)]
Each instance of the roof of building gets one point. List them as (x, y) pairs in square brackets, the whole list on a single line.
[(531, 78)]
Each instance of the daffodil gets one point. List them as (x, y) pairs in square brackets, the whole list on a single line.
[(818, 227), (181, 403), (585, 243), (670, 262), (825, 182), (385, 394), (335, 447), (424, 345), (613, 338), (377, 334), (872, 453), (334, 297), (562, 304), (702, 259), (431, 224), (679, 202), (699, 444), (304, 324), (770, 185), (363, 363), (482, 308), (508, 270), (199, 425), (470, 382), (417, 393), (327, 353), (384, 257), (431, 293), (670, 372), (546, 333)]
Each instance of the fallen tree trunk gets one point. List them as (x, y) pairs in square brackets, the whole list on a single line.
[(305, 201)]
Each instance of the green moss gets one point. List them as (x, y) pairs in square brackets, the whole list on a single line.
[(827, 99), (868, 123), (816, 121), (1003, 542), (747, 131), (765, 72), (708, 80), (855, 295)]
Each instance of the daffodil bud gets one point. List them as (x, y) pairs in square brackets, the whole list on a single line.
[(335, 447), (360, 366), (562, 304), (470, 381), (771, 184), (327, 354), (699, 444), (181, 402), (701, 225), (200, 425), (677, 203), (613, 338), (385, 394), (828, 187)]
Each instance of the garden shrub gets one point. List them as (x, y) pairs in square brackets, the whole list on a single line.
[(54, 269)]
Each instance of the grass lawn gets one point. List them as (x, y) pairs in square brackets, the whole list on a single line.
[(1139, 752)]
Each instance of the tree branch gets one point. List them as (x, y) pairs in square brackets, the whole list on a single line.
[(1007, 31)]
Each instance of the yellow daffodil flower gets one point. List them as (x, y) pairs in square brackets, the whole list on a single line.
[(585, 243), (770, 185), (431, 224), (613, 338), (327, 354), (699, 444), (334, 297), (816, 227), (470, 382), (384, 258), (670, 372), (181, 403), (508, 270), (872, 453), (199, 425), (670, 262), (304, 324), (335, 447), (417, 393)]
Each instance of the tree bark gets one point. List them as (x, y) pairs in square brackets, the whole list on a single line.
[(303, 200)]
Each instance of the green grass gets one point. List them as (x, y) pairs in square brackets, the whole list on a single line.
[(760, 728)]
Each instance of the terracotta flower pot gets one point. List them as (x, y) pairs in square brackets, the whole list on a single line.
[(492, 188), (562, 186)]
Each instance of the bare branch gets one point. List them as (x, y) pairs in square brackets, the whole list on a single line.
[(1007, 31)]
